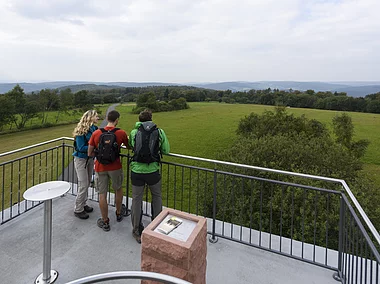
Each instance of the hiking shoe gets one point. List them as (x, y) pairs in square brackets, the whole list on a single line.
[(137, 237), (88, 209), (119, 217), (81, 215), (104, 225)]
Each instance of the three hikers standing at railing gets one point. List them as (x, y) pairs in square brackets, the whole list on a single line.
[(148, 144)]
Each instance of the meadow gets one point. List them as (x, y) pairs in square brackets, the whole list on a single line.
[(208, 128)]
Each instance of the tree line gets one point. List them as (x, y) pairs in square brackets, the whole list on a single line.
[(17, 107), (327, 100)]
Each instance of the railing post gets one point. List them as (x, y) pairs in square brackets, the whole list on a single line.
[(338, 276), (63, 160), (128, 211), (213, 239)]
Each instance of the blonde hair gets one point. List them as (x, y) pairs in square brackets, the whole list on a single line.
[(85, 123)]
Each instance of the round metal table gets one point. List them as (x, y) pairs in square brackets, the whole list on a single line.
[(46, 192)]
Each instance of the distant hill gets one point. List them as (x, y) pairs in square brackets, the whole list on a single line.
[(354, 89), (33, 87), (360, 91)]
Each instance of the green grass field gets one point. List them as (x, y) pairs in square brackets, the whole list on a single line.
[(207, 128)]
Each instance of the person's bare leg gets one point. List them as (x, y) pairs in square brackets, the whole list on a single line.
[(118, 200), (103, 206)]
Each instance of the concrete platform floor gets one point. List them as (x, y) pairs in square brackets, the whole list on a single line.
[(80, 249)]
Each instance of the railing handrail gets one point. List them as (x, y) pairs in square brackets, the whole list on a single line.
[(34, 146), (143, 275), (340, 181)]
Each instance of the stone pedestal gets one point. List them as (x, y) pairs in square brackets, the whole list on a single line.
[(181, 253)]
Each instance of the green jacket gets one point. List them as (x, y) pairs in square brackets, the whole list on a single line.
[(142, 168)]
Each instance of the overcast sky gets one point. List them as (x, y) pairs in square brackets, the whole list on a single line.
[(189, 40)]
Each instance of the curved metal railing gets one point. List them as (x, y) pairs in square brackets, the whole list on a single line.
[(339, 181), (117, 275)]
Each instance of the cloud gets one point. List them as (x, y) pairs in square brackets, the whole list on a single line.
[(199, 40)]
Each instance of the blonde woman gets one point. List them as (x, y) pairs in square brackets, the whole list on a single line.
[(83, 164)]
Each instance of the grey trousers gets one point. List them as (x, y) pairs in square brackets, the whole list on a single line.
[(137, 197), (84, 174)]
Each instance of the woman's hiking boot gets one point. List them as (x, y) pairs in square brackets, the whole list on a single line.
[(81, 215), (88, 209)]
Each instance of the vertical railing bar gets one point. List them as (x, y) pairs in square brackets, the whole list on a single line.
[(281, 210), (315, 224), (190, 186), (127, 181), (270, 216), (175, 186), (346, 250), (303, 221), (241, 211), (349, 249), (63, 162), (182, 188), (361, 258), (205, 193), (46, 166), (251, 211), (167, 186), (73, 170), (357, 253), (34, 173), (341, 237), (261, 211), (366, 262), (198, 190), (292, 225), (352, 249), (56, 165), (39, 168), (327, 225), (233, 206), (11, 195), (19, 187), (371, 269), (52, 167), (224, 202), (3, 195), (26, 182), (214, 206)]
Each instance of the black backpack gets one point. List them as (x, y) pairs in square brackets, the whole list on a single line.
[(147, 148), (108, 150)]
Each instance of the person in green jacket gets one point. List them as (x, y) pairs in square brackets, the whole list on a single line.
[(145, 167)]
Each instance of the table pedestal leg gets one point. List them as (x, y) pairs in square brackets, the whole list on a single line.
[(47, 275)]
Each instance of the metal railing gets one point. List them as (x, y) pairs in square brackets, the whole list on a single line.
[(304, 217), (117, 275)]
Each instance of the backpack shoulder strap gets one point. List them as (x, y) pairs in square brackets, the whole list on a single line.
[(102, 130), (114, 130)]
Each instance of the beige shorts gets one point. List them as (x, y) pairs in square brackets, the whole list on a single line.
[(102, 180)]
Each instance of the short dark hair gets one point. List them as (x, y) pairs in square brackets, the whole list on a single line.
[(113, 115), (145, 115)]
